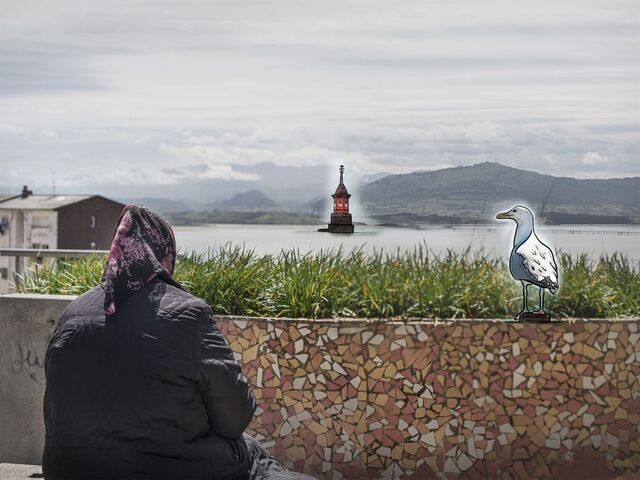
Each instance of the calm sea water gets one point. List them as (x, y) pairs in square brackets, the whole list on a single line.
[(496, 240)]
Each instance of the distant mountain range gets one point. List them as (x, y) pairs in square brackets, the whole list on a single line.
[(469, 194), (251, 200), (478, 192), (316, 206)]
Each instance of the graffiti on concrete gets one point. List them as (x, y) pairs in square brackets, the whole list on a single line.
[(27, 362)]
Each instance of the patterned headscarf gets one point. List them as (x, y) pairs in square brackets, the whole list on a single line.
[(143, 248)]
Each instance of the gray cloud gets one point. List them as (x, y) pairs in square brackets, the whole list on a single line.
[(40, 74), (211, 89)]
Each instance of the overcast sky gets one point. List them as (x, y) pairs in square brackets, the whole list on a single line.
[(124, 92)]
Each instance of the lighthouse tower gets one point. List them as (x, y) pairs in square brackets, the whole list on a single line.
[(340, 217)]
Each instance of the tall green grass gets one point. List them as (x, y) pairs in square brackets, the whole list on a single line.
[(398, 284)]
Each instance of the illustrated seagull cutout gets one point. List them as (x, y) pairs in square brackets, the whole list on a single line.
[(531, 261)]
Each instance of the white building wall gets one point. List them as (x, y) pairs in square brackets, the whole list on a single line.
[(27, 229)]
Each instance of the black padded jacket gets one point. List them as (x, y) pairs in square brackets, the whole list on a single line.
[(150, 392)]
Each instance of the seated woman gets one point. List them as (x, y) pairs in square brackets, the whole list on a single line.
[(140, 381)]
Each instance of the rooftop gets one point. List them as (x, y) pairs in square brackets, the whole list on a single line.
[(341, 190), (40, 202)]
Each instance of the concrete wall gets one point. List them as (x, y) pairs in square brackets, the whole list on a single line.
[(361, 399), (26, 324)]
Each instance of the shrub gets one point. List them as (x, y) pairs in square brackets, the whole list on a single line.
[(400, 284)]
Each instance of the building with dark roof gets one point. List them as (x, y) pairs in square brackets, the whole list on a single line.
[(79, 222)]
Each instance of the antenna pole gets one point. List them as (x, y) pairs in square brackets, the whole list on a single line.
[(546, 199)]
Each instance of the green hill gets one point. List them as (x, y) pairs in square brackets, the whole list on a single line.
[(474, 193)]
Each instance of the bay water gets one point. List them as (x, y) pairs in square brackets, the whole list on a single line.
[(493, 239)]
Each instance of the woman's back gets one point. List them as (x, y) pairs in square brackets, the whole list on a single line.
[(145, 393)]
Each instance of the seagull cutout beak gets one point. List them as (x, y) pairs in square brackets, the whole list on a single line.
[(503, 216)]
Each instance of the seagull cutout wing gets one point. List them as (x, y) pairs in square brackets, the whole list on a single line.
[(538, 262)]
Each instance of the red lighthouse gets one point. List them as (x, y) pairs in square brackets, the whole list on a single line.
[(341, 197), (340, 217)]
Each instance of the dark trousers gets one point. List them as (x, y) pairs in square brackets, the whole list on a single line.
[(265, 467)]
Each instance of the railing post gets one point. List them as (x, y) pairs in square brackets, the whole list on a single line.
[(18, 270)]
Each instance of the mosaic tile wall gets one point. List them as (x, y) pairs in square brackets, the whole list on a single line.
[(481, 399)]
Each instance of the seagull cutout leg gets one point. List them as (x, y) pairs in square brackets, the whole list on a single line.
[(541, 300), (525, 308)]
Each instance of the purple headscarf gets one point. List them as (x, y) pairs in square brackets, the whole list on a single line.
[(143, 248)]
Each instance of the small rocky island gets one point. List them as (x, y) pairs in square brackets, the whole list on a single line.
[(341, 221)]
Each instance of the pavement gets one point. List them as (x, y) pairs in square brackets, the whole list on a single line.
[(15, 471)]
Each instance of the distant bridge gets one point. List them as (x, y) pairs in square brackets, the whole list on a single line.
[(575, 231)]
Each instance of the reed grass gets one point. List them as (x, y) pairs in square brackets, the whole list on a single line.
[(398, 284)]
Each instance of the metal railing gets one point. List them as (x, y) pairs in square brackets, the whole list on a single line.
[(40, 253), (45, 252)]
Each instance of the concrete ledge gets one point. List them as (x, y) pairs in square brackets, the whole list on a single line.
[(341, 320), (16, 471), (38, 296)]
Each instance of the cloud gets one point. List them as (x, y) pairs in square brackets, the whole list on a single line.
[(159, 90), (593, 158), (13, 130), (187, 173), (186, 170), (42, 70), (171, 158)]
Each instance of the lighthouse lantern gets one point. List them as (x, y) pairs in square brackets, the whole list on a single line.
[(340, 217)]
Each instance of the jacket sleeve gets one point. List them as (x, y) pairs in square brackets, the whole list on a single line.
[(225, 390)]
